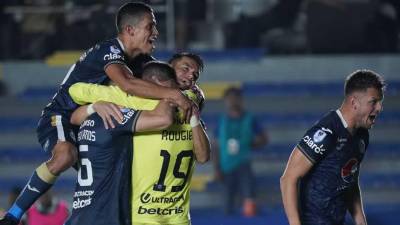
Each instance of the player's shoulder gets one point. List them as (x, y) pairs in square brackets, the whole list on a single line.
[(106, 50), (330, 122), (110, 48)]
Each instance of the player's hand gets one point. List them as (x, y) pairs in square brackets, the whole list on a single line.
[(107, 111), (185, 105)]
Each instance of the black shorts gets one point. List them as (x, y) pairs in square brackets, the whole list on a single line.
[(52, 128)]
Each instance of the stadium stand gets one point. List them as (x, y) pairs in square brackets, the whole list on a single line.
[(285, 109)]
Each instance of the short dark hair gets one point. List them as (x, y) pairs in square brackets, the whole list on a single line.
[(234, 91), (361, 80), (131, 13), (163, 71), (193, 56)]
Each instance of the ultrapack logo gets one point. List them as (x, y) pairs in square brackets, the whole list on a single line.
[(146, 198)]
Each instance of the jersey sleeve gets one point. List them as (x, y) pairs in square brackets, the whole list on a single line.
[(108, 54), (317, 143), (84, 93), (129, 122)]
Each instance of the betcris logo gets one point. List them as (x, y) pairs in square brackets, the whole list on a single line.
[(319, 149), (159, 211), (349, 170)]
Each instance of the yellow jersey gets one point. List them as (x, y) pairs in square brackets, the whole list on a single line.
[(163, 161)]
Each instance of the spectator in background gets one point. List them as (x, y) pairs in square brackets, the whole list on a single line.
[(237, 133), (47, 211)]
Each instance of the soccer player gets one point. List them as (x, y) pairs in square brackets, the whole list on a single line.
[(160, 195), (102, 193), (326, 162), (109, 60)]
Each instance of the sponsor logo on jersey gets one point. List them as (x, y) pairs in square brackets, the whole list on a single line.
[(127, 115), (159, 211), (82, 199), (319, 136), (319, 149), (114, 49), (147, 198), (81, 203), (111, 56), (349, 170)]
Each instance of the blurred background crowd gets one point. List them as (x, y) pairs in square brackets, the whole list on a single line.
[(33, 29), (287, 59)]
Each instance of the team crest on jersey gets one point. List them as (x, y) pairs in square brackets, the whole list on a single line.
[(361, 146), (124, 110), (114, 49), (349, 170), (319, 136)]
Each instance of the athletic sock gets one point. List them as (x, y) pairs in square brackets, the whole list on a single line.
[(41, 181)]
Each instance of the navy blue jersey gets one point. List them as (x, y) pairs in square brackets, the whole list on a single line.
[(103, 187), (90, 68), (336, 155)]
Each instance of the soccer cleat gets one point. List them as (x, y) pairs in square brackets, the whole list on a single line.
[(8, 220)]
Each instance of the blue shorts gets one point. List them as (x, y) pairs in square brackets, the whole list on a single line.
[(52, 128)]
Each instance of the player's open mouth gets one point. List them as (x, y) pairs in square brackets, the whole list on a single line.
[(152, 41), (372, 118)]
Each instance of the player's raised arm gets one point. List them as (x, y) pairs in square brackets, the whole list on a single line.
[(123, 77), (297, 166)]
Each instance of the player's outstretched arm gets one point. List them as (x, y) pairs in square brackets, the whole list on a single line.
[(157, 119), (107, 111), (201, 143), (123, 77), (355, 205), (298, 166)]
